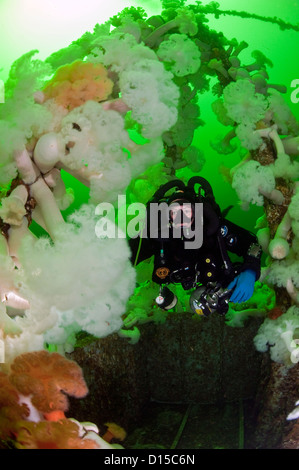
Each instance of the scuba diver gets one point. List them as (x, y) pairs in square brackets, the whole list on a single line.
[(205, 268)]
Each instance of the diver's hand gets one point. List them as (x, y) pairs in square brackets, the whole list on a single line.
[(243, 286)]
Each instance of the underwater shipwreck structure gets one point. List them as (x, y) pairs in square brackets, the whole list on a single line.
[(117, 110)]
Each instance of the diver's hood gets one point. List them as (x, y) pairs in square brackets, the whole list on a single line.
[(186, 194)]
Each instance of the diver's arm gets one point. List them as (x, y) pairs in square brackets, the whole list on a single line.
[(244, 244)]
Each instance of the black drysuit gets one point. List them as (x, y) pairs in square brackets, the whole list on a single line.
[(174, 263)]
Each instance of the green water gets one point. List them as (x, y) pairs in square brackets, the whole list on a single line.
[(281, 47), (49, 26)]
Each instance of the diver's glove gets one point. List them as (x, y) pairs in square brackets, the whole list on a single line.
[(243, 286)]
